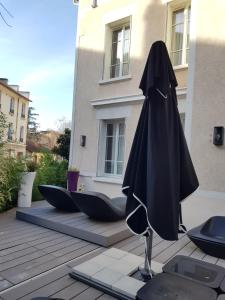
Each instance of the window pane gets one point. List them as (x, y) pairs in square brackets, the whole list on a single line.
[(127, 33), (188, 27), (126, 50), (117, 35), (177, 37), (116, 48), (109, 166), (109, 130), (177, 58), (182, 118), (119, 168), (113, 158), (115, 71), (121, 128), (125, 69), (120, 149), (187, 56), (178, 17), (109, 148)]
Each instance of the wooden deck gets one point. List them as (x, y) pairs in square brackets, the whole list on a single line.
[(75, 224), (35, 261)]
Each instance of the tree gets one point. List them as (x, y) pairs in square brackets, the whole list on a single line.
[(62, 124), (3, 126), (63, 144), (32, 121)]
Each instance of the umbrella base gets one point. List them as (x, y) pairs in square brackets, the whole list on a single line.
[(144, 275), (113, 273)]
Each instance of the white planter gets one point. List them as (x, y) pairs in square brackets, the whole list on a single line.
[(25, 192)]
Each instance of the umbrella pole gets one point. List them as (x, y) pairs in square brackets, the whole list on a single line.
[(146, 272)]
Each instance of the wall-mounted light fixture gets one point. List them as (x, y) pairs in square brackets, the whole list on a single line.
[(83, 140), (218, 135), (94, 3)]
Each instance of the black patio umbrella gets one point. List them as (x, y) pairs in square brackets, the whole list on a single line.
[(159, 173)]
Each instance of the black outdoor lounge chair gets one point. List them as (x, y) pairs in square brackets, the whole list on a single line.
[(171, 287), (100, 207), (58, 197), (210, 236)]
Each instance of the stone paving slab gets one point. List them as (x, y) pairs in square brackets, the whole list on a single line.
[(128, 286)]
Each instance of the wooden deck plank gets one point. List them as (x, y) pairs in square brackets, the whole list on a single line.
[(13, 249), (71, 291), (210, 259), (34, 237), (34, 286), (171, 250), (57, 240), (198, 254), (48, 261), (60, 246), (88, 294), (21, 236), (21, 260), (50, 289)]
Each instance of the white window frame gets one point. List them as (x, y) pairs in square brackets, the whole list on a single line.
[(121, 53), (102, 148), (174, 6), (109, 28)]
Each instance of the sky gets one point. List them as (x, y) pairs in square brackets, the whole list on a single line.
[(38, 53)]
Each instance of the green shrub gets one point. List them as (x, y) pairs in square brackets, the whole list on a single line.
[(49, 171), (10, 178)]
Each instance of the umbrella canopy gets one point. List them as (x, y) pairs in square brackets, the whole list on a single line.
[(159, 173)]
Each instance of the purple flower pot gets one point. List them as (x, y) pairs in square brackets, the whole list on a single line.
[(72, 179)]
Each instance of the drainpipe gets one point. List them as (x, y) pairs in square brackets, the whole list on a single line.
[(73, 126)]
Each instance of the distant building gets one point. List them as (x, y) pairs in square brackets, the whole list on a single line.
[(14, 104), (42, 142)]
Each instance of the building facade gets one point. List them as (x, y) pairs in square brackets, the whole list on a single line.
[(14, 104), (113, 41)]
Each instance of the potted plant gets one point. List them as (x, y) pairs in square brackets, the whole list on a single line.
[(25, 192), (72, 179)]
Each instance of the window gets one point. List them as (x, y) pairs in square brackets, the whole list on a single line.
[(23, 110), (12, 104), (10, 132), (120, 52), (111, 154), (179, 34), (21, 133), (182, 118), (117, 49)]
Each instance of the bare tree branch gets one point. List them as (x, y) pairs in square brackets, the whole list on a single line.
[(6, 10), (1, 15)]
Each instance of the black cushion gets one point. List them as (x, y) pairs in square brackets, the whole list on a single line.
[(195, 270), (170, 287), (210, 236), (100, 207), (222, 286), (58, 197)]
